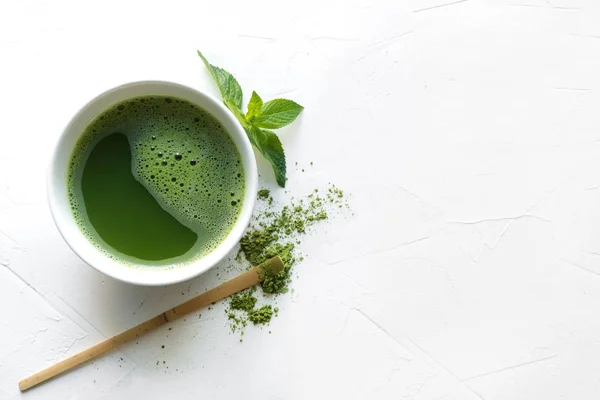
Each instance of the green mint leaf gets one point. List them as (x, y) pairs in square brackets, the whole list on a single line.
[(237, 113), (270, 147), (254, 106), (277, 113), (228, 86)]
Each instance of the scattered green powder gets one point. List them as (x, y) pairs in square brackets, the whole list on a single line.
[(277, 284), (263, 194), (276, 233), (261, 315), (244, 301), (237, 322)]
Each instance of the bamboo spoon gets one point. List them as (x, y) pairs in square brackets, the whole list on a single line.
[(237, 284)]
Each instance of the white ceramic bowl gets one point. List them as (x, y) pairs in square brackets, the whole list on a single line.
[(63, 216)]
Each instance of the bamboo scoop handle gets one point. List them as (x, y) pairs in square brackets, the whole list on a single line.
[(232, 286)]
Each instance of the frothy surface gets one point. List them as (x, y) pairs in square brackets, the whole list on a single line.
[(184, 158)]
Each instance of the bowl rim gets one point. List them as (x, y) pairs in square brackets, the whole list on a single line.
[(68, 227)]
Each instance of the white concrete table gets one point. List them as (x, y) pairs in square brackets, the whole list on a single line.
[(466, 132)]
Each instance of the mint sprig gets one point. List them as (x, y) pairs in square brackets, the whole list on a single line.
[(259, 117)]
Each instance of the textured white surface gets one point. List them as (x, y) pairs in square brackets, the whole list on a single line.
[(466, 131)]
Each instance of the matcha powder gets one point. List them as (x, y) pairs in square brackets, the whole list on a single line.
[(276, 232)]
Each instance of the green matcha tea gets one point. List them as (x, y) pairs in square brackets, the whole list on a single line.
[(155, 180)]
